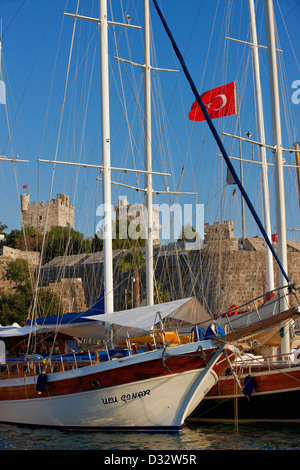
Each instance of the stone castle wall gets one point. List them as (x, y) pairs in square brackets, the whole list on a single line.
[(10, 254), (222, 273), (69, 291), (71, 294)]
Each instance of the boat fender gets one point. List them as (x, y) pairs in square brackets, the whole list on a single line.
[(41, 383), (248, 386)]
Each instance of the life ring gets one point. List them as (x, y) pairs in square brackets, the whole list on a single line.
[(233, 310)]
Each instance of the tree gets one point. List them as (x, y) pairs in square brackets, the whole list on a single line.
[(2, 228), (15, 306), (18, 272), (59, 241), (62, 241), (96, 244), (28, 239), (160, 296), (134, 260)]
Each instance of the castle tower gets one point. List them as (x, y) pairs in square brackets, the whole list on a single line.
[(43, 215)]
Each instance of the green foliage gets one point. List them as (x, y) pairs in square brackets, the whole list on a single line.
[(122, 239), (134, 260), (121, 235), (160, 296), (18, 271), (59, 241), (96, 244), (62, 241), (2, 228), (29, 239), (15, 306)]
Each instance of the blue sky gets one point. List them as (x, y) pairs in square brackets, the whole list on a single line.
[(36, 45)]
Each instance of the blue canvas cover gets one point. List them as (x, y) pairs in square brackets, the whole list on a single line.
[(67, 318), (199, 333), (210, 333)]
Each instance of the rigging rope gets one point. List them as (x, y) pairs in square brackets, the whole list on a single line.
[(219, 142)]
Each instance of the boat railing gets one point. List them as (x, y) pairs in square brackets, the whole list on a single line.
[(271, 362), (22, 366), (34, 364), (255, 306)]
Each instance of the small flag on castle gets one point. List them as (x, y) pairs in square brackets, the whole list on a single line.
[(25, 186)]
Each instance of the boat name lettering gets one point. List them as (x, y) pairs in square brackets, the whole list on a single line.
[(132, 396), (126, 397), (108, 401)]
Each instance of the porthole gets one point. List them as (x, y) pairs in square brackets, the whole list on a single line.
[(95, 383)]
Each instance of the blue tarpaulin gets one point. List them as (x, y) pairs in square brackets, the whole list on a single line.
[(67, 318), (199, 333), (214, 331)]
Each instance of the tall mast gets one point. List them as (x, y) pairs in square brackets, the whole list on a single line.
[(148, 155), (278, 160), (262, 148), (107, 233)]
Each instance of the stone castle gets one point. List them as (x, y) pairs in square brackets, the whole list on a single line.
[(225, 270), (43, 215)]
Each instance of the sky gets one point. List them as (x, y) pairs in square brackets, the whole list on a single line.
[(36, 44)]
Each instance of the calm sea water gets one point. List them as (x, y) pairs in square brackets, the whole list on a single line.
[(194, 436)]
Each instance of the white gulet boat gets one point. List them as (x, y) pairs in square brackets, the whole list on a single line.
[(108, 389), (156, 389)]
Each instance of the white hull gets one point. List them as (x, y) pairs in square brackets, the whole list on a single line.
[(162, 402)]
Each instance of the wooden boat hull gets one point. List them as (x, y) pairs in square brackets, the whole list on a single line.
[(149, 391), (275, 397)]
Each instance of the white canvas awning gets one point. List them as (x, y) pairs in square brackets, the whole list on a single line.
[(132, 322), (140, 320)]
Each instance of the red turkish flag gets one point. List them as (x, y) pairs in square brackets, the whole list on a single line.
[(219, 102)]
